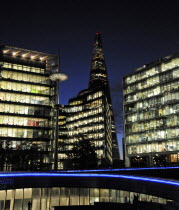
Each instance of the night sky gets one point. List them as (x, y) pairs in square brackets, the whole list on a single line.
[(134, 33)]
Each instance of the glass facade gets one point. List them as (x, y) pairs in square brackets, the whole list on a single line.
[(99, 78), (151, 106), (46, 198), (26, 98), (86, 116)]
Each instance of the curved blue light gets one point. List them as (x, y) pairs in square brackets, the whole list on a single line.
[(120, 169), (7, 175)]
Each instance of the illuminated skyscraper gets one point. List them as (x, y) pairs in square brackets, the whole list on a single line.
[(27, 98), (89, 115), (151, 107), (99, 79)]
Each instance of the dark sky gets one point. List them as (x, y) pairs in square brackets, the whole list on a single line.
[(134, 33)]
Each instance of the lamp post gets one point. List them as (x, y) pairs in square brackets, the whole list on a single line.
[(57, 77)]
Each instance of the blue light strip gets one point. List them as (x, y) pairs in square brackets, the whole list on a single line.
[(121, 169), (161, 181)]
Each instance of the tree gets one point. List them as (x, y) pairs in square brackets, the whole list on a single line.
[(2, 156), (20, 159), (25, 160), (83, 155)]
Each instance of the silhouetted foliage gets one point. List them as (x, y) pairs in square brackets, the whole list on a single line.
[(83, 155), (25, 160), (2, 156), (20, 159), (104, 163)]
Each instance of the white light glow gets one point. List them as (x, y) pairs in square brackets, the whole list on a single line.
[(14, 53), (5, 51), (43, 58), (32, 56), (58, 77)]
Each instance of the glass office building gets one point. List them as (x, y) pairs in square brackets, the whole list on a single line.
[(26, 115), (90, 115), (47, 198), (87, 116), (44, 190), (151, 113)]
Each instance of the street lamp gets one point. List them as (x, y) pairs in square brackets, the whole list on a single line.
[(57, 77)]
